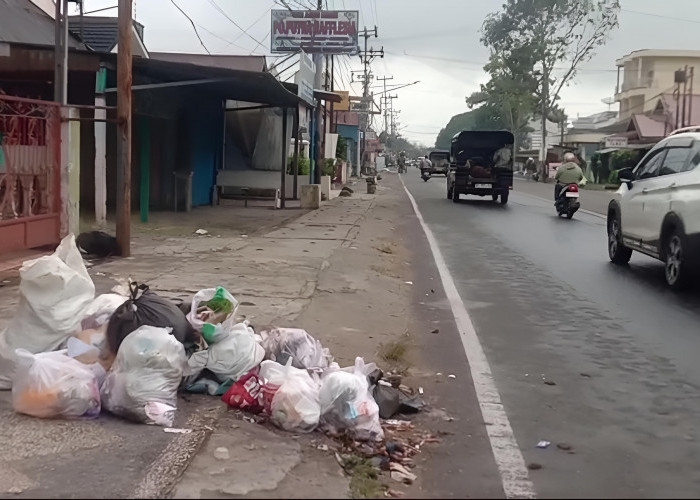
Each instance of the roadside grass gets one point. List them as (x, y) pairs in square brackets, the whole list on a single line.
[(394, 354)]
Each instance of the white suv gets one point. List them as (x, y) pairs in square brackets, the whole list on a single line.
[(656, 211)]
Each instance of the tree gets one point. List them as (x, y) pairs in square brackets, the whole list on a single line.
[(510, 92), (559, 35)]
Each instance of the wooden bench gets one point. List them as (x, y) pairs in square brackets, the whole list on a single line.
[(247, 193)]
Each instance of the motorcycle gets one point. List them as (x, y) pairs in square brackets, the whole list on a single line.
[(567, 201), (425, 174)]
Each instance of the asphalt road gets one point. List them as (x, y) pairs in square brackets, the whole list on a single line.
[(620, 349)]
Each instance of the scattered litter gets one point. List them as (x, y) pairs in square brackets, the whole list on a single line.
[(322, 447), (201, 232), (564, 446), (420, 390), (244, 236), (401, 474), (394, 493), (173, 430), (549, 382), (585, 375), (437, 330), (451, 376), (100, 274), (543, 444), (222, 453), (534, 466), (408, 282)]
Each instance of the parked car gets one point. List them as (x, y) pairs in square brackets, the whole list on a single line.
[(481, 163), (656, 210)]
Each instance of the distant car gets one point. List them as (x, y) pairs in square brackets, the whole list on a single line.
[(441, 162), (656, 210)]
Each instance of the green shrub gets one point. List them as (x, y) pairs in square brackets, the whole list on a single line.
[(614, 177), (328, 167), (304, 166)]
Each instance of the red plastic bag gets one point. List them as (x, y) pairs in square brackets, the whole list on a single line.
[(246, 394)]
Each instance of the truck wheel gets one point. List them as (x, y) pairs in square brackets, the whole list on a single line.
[(494, 197), (504, 198)]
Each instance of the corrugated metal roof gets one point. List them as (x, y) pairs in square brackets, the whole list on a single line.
[(245, 63), (99, 33), (23, 22)]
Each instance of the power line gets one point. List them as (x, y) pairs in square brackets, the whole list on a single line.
[(221, 38), (249, 27), (193, 25), (661, 16), (223, 13)]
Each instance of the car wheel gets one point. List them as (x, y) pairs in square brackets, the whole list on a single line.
[(504, 198), (617, 251), (674, 257)]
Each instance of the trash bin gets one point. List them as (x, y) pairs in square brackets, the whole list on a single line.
[(183, 179)]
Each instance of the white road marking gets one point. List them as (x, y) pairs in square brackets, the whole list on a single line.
[(507, 454)]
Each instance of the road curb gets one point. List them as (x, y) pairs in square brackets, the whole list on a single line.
[(164, 473)]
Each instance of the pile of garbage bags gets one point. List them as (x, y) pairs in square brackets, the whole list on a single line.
[(69, 354)]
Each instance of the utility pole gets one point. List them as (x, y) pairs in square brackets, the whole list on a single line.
[(384, 99), (318, 79), (124, 128), (545, 99), (366, 56), (60, 88)]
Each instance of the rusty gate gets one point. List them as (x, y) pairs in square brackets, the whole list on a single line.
[(30, 180)]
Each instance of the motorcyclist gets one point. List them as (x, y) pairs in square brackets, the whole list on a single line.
[(425, 164), (568, 173)]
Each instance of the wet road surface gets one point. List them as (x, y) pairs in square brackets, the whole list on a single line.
[(618, 350)]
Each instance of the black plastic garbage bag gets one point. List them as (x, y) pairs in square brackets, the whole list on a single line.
[(152, 310)]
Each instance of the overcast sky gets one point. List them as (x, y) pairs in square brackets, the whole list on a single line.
[(436, 42)]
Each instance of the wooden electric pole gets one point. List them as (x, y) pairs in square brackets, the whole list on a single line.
[(124, 128)]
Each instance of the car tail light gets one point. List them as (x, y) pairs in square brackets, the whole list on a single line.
[(573, 188)]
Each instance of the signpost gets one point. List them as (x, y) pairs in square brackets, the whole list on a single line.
[(615, 142), (314, 31)]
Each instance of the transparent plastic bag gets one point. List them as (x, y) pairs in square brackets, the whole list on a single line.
[(52, 385), (305, 352), (200, 314), (54, 292), (290, 396), (347, 403), (100, 310), (235, 353), (142, 385)]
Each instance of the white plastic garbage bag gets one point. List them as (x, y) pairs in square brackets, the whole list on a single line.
[(306, 352), (54, 292), (142, 385), (347, 403), (101, 309), (235, 353), (290, 396), (51, 385), (198, 315)]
